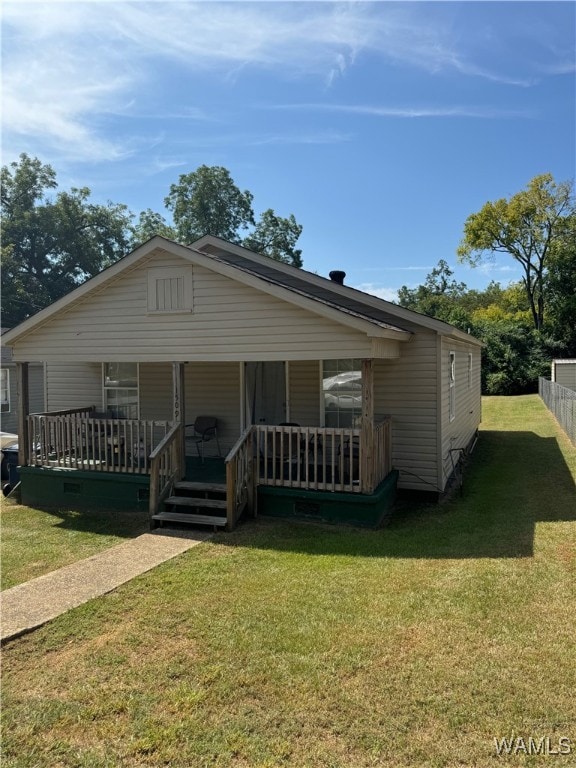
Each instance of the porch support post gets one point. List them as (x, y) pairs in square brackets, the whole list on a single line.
[(367, 428), (23, 411), (178, 399)]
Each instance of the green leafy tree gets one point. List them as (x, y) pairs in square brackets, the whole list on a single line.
[(52, 242), (562, 289), (526, 227), (150, 224), (440, 296), (276, 237), (207, 202)]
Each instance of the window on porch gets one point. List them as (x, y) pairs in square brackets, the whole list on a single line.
[(121, 390), (4, 390), (342, 393)]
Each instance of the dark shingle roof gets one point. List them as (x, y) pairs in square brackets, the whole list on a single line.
[(323, 293)]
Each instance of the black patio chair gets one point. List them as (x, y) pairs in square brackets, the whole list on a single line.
[(204, 429)]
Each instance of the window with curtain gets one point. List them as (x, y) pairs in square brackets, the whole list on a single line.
[(342, 393)]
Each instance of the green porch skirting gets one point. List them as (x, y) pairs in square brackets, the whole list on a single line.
[(77, 489), (370, 511)]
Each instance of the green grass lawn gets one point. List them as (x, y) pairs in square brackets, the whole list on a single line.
[(298, 645), (35, 542)]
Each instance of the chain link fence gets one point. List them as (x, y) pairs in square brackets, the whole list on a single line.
[(561, 401)]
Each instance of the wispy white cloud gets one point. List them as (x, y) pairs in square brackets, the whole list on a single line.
[(70, 65), (488, 113)]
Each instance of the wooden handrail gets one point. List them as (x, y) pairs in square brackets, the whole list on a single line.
[(166, 464), (239, 478), (164, 442), (237, 445)]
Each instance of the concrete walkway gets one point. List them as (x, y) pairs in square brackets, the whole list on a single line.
[(35, 602)]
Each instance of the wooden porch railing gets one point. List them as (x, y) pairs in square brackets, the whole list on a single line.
[(76, 440), (321, 458), (382, 451), (311, 458), (166, 466), (240, 478)]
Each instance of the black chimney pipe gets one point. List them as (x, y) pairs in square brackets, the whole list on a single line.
[(337, 276)]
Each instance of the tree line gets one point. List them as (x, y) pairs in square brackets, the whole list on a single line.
[(525, 324), (54, 240)]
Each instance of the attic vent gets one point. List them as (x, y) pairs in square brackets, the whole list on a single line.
[(337, 276), (170, 289)]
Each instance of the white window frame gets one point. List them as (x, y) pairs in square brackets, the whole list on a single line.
[(452, 386), (106, 389), (322, 391), (157, 274), (5, 405), (470, 370)]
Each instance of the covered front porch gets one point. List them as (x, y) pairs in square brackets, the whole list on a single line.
[(81, 444), (177, 479)]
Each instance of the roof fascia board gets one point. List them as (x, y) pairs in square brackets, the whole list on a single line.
[(445, 329)]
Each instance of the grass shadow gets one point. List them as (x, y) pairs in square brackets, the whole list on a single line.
[(513, 481), (107, 522)]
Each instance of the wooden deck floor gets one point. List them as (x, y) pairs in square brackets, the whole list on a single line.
[(212, 470)]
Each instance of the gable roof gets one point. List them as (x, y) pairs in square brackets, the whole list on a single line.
[(342, 297), (348, 306)]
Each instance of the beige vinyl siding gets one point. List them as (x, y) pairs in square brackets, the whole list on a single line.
[(304, 382), (156, 396), (406, 390), (73, 385), (37, 388), (36, 394), (230, 321), (213, 389), (459, 432)]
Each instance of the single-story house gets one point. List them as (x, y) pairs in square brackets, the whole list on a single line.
[(325, 398)]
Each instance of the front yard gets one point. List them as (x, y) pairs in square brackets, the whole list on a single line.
[(296, 645), (36, 542)]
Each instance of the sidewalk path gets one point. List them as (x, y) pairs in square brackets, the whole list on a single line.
[(35, 602)]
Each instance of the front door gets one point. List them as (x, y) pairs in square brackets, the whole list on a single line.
[(265, 392)]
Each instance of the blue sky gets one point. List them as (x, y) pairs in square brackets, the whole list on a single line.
[(380, 126)]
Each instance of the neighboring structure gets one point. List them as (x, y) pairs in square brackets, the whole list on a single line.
[(9, 390), (564, 373), (317, 387)]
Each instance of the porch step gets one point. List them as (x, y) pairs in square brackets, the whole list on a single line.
[(193, 501), (186, 485), (189, 519)]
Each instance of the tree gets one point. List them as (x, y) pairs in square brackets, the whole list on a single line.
[(150, 224), (276, 237), (562, 289), (52, 243), (440, 296), (207, 202), (526, 227)]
